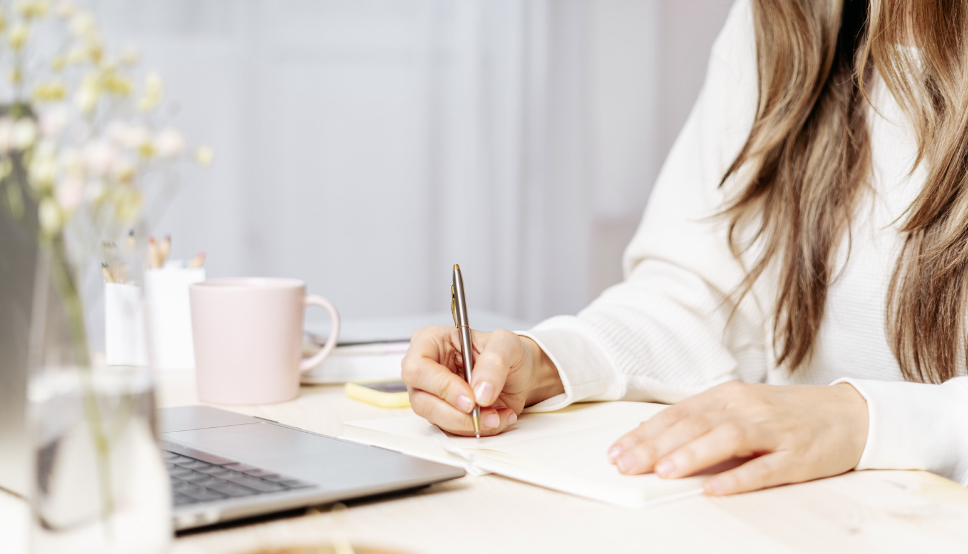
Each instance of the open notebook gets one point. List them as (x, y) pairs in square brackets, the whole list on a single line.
[(563, 450)]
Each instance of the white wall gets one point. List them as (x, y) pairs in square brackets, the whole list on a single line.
[(648, 61), (367, 145)]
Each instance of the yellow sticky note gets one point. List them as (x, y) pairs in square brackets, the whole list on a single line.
[(386, 394)]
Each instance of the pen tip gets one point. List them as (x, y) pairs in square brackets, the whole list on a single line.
[(456, 266)]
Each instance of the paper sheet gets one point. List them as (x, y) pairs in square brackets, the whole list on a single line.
[(564, 450)]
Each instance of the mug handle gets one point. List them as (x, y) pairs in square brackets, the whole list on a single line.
[(316, 359)]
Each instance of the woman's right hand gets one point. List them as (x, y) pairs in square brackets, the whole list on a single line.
[(510, 372)]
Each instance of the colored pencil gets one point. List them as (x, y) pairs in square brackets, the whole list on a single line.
[(197, 261), (164, 250), (153, 255), (106, 272)]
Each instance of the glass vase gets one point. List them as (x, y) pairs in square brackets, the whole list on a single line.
[(100, 485), (99, 482)]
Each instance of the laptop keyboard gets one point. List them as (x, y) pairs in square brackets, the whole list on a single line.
[(194, 480)]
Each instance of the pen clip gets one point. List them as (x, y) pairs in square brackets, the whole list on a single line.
[(453, 306)]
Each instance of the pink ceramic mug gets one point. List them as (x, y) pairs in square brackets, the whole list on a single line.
[(248, 336)]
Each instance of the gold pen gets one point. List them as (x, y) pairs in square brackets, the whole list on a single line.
[(458, 308)]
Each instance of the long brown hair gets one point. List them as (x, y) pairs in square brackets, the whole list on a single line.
[(808, 159)]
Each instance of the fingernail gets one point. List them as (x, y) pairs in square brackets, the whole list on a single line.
[(614, 452), (512, 418), (491, 421), (665, 467), (713, 486), (484, 391), (465, 403), (626, 462)]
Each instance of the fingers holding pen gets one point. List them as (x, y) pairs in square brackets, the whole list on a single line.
[(499, 351), (428, 376), (447, 417), (496, 420)]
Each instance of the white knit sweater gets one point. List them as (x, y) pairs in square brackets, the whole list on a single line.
[(665, 333)]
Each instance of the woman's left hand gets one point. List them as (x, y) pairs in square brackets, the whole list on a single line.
[(792, 433)]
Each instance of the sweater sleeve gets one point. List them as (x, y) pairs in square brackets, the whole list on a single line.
[(671, 329), (916, 426)]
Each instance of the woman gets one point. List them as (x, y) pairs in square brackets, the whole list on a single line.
[(809, 231)]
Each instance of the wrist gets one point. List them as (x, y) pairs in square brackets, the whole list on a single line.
[(545, 380), (858, 416)]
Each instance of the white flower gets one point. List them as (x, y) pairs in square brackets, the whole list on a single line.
[(50, 216), (127, 135), (65, 9), (169, 143), (70, 193), (204, 156), (94, 191), (135, 137), (123, 170), (23, 134), (71, 162), (83, 24), (6, 132), (42, 173), (53, 121), (127, 204), (129, 55), (99, 157), (19, 35), (87, 94), (46, 148), (42, 170), (76, 55), (152, 93), (32, 9), (116, 131), (153, 82)]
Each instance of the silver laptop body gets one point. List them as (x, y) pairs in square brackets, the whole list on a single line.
[(223, 465), (226, 466)]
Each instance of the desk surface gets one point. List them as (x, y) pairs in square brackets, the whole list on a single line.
[(880, 511)]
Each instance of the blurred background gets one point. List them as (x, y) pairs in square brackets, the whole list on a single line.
[(365, 146)]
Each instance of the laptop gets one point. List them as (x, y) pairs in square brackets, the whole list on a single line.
[(226, 466), (223, 466)]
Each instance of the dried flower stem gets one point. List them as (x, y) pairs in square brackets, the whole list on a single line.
[(65, 283)]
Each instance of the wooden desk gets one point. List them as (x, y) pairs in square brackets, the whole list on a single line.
[(883, 511)]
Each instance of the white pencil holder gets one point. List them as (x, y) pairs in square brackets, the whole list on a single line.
[(124, 325), (170, 318)]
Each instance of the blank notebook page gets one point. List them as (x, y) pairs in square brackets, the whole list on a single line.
[(563, 450)]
